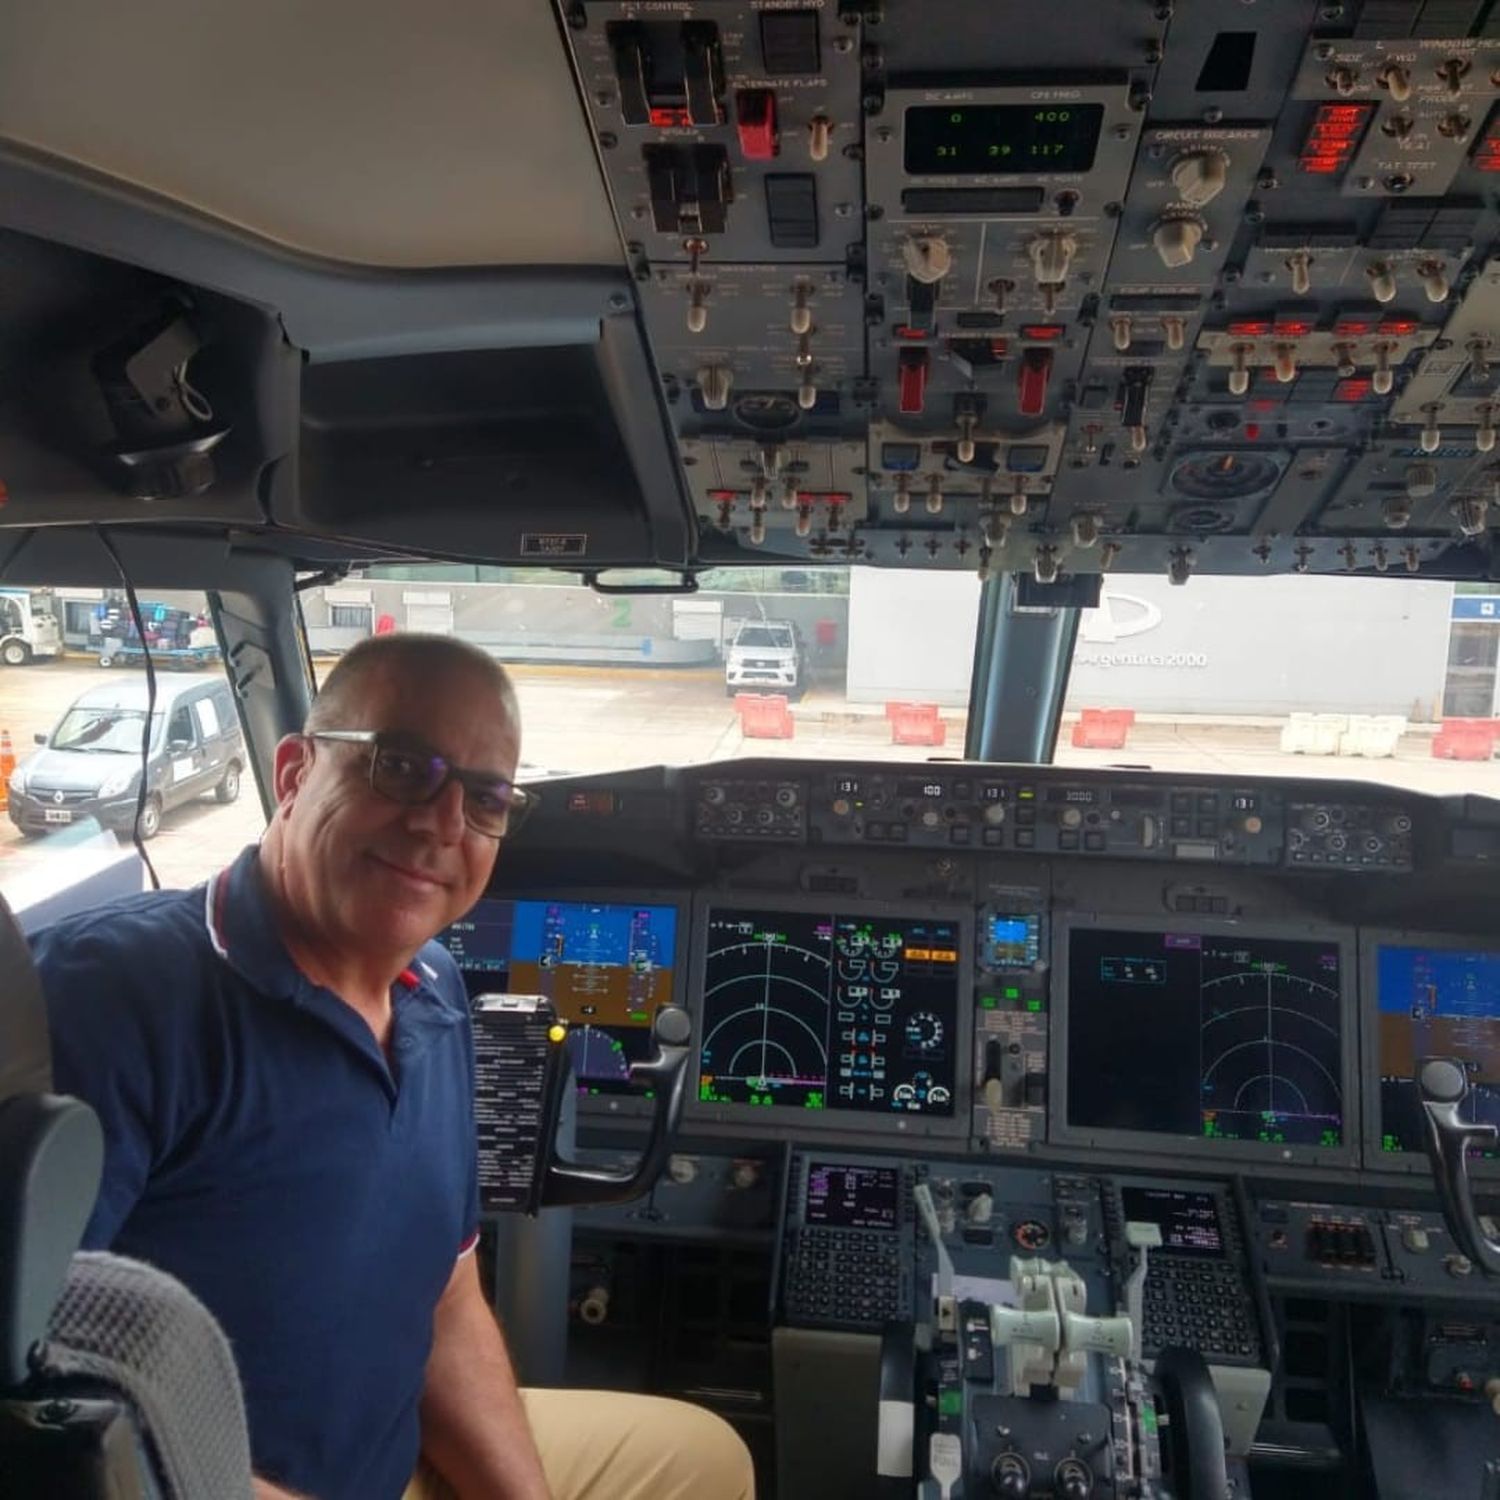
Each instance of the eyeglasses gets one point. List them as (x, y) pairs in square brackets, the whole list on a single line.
[(407, 771)]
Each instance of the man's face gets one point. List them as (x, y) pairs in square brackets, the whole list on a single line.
[(363, 871)]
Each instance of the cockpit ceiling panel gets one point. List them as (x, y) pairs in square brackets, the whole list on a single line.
[(363, 131)]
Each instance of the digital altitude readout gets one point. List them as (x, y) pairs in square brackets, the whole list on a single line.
[(980, 139)]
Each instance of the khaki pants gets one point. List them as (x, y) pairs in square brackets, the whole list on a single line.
[(610, 1445)]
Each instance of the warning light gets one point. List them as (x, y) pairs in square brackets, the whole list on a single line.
[(1351, 327), (1292, 327), (1334, 137), (1355, 388), (1486, 153), (1399, 327), (1252, 431), (1250, 328), (666, 117), (1042, 333), (557, 1032)]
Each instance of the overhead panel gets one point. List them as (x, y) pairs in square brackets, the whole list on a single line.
[(1163, 291)]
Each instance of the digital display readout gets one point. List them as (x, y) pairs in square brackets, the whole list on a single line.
[(965, 140), (1189, 1222), (844, 1196)]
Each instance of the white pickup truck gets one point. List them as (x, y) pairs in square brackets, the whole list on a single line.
[(765, 656)]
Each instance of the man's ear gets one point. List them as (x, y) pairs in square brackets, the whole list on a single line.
[(294, 755)]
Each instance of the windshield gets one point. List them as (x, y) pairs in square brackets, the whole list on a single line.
[(1365, 678), (764, 635), (607, 682), (107, 731)]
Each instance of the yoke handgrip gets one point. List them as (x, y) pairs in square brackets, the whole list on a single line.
[(1442, 1085), (569, 1184)]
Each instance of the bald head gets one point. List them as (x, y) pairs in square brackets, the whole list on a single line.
[(382, 659)]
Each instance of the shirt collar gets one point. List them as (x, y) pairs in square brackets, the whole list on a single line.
[(241, 925)]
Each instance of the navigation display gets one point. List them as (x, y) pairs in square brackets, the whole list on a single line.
[(1225, 1037), (1436, 1002), (979, 139), (830, 1010), (607, 968), (1189, 1221), (849, 1197)]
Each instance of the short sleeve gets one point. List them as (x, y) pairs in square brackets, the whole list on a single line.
[(102, 1053)]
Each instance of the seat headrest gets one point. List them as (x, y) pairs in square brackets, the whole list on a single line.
[(25, 1047)]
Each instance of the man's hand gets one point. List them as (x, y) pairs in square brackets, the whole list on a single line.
[(263, 1489), (474, 1428)]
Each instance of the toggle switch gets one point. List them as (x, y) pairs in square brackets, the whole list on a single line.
[(1382, 281), (1031, 381), (1239, 370), (818, 131), (1284, 363), (1300, 265), (912, 366), (755, 122), (1384, 378), (714, 382)]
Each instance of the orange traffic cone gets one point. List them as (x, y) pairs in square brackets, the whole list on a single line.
[(7, 765)]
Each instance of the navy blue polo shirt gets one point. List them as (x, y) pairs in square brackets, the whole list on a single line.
[(261, 1147)]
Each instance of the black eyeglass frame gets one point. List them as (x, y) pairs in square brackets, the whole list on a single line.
[(520, 803)]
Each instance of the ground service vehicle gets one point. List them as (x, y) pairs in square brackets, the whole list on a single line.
[(1030, 1077), (89, 766), (26, 631)]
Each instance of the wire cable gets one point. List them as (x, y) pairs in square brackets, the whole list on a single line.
[(140, 629)]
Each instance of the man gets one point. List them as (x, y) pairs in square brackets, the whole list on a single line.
[(282, 1062)]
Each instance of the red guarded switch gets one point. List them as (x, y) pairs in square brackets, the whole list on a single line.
[(1031, 383), (911, 378), (755, 119)]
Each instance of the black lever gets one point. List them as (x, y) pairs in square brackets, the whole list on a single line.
[(568, 1183), (1442, 1085)]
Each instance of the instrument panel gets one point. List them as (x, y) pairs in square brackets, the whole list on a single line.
[(1015, 962)]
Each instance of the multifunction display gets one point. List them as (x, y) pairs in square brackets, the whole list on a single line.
[(849, 1197), (1436, 1002), (1189, 1221), (979, 139), (1228, 1037), (606, 967), (830, 1010)]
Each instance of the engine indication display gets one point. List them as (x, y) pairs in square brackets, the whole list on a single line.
[(1232, 1037), (981, 139), (1436, 1002), (830, 1011)]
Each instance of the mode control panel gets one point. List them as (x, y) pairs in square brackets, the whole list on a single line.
[(1198, 1289), (987, 809), (976, 809)]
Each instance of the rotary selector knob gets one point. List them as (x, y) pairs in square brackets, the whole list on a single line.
[(1200, 176), (1176, 241)]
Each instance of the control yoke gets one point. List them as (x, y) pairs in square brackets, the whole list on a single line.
[(566, 1183), (1442, 1086)]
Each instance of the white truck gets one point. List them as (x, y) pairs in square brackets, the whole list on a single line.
[(28, 627), (765, 656)]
